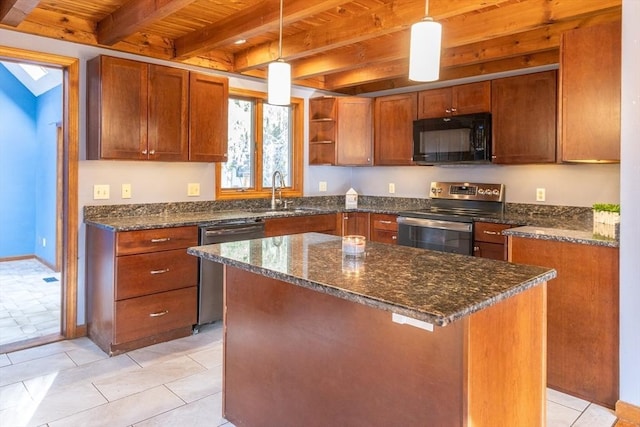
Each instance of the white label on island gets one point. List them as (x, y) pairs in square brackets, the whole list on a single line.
[(404, 320)]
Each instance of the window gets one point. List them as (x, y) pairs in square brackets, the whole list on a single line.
[(263, 138)]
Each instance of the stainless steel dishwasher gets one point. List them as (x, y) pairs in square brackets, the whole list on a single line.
[(210, 283)]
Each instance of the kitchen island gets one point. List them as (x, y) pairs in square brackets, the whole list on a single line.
[(401, 336)]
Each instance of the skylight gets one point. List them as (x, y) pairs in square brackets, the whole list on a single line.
[(36, 72)]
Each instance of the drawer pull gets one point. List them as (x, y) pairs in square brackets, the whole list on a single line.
[(159, 313), (382, 221), (476, 248), (166, 270), (493, 233), (160, 240), (394, 237)]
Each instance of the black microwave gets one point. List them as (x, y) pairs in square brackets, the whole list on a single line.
[(455, 139)]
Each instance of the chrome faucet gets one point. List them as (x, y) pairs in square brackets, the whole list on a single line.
[(275, 202)]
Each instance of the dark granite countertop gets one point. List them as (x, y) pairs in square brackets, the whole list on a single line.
[(562, 223), (430, 286), (572, 236)]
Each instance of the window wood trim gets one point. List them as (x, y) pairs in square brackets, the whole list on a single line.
[(297, 158)]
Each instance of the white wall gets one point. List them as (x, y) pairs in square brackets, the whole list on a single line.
[(630, 207), (574, 185)]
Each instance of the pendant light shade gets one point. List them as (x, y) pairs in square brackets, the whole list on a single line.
[(424, 53), (424, 50), (279, 76), (279, 83)]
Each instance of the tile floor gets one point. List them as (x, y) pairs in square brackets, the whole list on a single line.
[(178, 383), (29, 306)]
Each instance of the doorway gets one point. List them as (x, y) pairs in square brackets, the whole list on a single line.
[(66, 195), (30, 147)]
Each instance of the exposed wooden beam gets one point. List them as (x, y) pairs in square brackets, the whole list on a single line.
[(250, 22), (387, 18), (385, 49), (134, 15), (13, 12), (458, 28), (398, 79)]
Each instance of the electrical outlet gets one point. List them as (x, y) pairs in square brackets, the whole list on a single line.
[(392, 188), (101, 192), (193, 189), (322, 186), (126, 191), (540, 195)]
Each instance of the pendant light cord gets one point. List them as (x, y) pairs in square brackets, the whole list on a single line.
[(426, 8), (280, 37)]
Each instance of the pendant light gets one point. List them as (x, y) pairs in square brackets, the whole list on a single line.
[(279, 76), (424, 52)]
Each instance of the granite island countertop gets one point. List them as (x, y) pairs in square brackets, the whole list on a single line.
[(430, 286)]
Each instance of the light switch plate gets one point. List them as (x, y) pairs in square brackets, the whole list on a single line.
[(392, 188), (101, 192)]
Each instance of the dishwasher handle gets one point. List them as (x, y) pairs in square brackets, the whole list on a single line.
[(232, 231)]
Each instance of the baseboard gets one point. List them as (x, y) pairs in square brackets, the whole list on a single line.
[(17, 258), (628, 412), (81, 331)]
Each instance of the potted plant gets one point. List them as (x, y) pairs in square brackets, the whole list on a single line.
[(606, 220)]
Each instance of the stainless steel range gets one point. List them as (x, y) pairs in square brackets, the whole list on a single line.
[(447, 225)]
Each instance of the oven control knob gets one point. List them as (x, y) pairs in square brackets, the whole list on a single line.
[(481, 192), (496, 192)]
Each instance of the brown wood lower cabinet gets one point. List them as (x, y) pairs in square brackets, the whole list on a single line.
[(582, 322), (488, 240), (324, 223), (355, 223), (384, 228), (141, 286)]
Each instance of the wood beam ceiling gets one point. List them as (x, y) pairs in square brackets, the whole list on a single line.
[(250, 22), (133, 16), (13, 12), (347, 46)]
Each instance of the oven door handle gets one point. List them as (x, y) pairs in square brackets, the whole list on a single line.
[(434, 223)]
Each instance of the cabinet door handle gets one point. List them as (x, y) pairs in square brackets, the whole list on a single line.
[(394, 237), (476, 249), (166, 270), (144, 152), (152, 152), (492, 233), (447, 110), (159, 313), (160, 240), (453, 110)]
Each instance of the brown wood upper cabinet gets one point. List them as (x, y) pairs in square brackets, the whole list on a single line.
[(524, 118), (341, 131), (455, 100), (208, 118), (393, 120), (589, 101), (140, 111)]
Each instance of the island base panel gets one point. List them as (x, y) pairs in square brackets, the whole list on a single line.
[(295, 356)]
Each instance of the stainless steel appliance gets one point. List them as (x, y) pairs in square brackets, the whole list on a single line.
[(447, 225), (210, 283), (454, 139)]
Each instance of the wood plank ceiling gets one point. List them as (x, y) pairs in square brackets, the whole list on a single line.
[(350, 47)]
